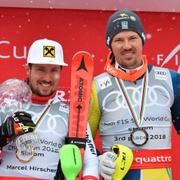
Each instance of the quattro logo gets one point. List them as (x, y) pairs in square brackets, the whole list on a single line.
[(49, 51)]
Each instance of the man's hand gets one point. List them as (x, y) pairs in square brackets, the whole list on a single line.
[(107, 164), (17, 124)]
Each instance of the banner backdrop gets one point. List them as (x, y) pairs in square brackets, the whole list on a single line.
[(83, 30)]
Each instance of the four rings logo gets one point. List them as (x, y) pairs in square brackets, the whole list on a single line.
[(152, 98)]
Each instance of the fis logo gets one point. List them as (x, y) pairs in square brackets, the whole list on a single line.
[(172, 56), (104, 82), (49, 51)]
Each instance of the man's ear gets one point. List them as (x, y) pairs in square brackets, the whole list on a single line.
[(27, 69)]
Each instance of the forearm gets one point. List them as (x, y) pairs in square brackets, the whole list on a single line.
[(90, 163)]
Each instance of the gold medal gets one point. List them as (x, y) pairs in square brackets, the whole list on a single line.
[(25, 156), (26, 144)]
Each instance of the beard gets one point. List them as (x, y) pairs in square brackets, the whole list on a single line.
[(38, 92)]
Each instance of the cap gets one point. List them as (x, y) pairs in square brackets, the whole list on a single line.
[(44, 51), (124, 20)]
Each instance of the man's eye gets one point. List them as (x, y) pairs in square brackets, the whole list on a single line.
[(118, 40), (55, 71), (134, 37), (40, 70)]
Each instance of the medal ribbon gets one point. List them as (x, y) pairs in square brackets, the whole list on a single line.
[(18, 152), (129, 103), (43, 113)]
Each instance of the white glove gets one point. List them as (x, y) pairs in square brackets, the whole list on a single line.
[(107, 164)]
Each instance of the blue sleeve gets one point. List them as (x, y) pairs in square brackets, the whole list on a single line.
[(175, 109)]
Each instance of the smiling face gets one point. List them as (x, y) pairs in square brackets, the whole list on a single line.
[(127, 49), (44, 79)]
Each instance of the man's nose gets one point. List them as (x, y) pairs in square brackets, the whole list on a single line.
[(126, 44), (47, 77)]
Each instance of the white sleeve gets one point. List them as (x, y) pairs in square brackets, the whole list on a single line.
[(90, 164)]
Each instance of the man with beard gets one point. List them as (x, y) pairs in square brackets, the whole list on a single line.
[(45, 121), (134, 103)]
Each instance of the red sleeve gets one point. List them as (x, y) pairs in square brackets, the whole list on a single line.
[(89, 178)]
